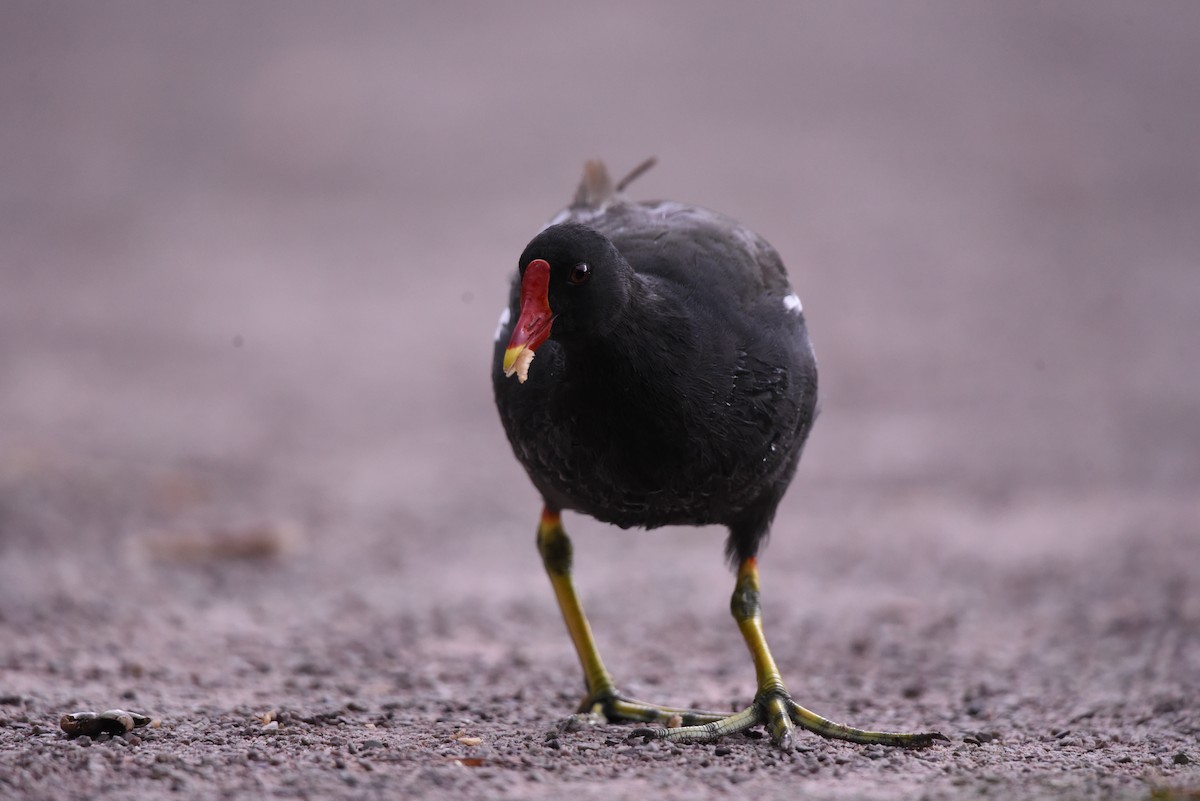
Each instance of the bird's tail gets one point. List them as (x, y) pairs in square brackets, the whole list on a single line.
[(597, 188)]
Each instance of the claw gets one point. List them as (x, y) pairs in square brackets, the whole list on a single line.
[(925, 739), (647, 734)]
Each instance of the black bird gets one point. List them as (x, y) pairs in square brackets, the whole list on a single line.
[(674, 385)]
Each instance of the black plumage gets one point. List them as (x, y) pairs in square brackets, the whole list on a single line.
[(678, 384), (674, 383)]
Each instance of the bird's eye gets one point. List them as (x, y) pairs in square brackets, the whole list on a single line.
[(580, 273)]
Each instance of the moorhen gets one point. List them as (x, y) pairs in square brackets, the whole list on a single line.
[(674, 385)]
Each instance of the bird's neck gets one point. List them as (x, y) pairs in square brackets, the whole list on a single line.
[(642, 350)]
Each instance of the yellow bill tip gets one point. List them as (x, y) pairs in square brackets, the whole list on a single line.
[(516, 360)]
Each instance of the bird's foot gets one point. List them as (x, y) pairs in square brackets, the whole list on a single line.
[(775, 709), (615, 707)]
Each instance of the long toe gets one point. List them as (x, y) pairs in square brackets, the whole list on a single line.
[(616, 708), (777, 714), (813, 722), (708, 732)]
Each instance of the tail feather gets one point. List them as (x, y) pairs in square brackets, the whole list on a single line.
[(597, 188), (636, 173)]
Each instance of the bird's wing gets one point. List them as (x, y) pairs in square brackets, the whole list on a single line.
[(692, 245), (676, 241)]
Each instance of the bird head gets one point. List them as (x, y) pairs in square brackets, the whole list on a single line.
[(574, 284)]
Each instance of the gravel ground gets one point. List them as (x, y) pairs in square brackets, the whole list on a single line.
[(252, 485)]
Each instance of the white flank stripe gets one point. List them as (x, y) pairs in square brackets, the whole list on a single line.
[(505, 316)]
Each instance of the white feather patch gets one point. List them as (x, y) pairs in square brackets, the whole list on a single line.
[(505, 316), (792, 303)]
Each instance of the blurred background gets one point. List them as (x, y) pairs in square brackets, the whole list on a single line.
[(252, 256)]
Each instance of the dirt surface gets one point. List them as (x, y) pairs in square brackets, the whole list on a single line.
[(252, 484)]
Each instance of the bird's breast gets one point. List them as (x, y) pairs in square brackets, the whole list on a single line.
[(646, 448)]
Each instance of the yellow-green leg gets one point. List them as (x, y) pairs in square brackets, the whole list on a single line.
[(773, 707), (602, 696)]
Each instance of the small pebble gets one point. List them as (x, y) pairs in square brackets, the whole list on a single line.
[(722, 750), (113, 721), (1181, 759)]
